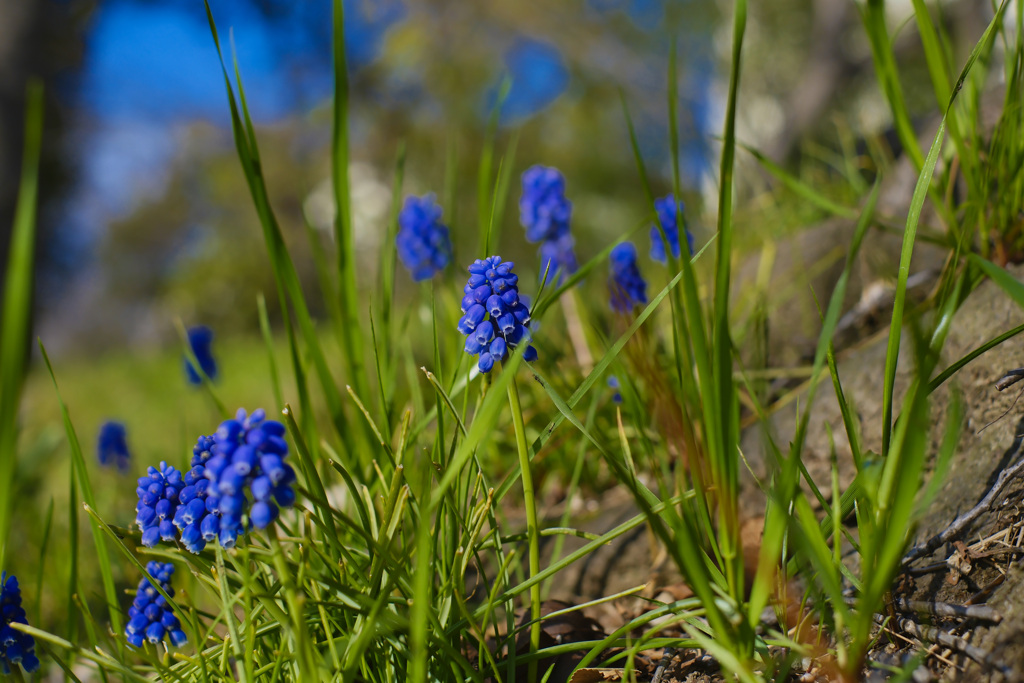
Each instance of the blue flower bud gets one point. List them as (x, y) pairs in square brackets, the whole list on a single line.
[(486, 362), (262, 514), (155, 632), (284, 495), (261, 487), (498, 349), (210, 527), (507, 323), (495, 306)]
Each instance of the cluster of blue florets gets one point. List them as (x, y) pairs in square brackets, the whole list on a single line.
[(545, 211), (150, 617), (198, 515), (158, 502), (15, 647), (667, 217), (200, 339), (245, 455), (239, 470), (112, 445), (496, 318), (627, 286), (423, 243)]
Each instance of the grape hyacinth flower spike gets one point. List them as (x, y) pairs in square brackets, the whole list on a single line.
[(545, 211), (496, 319), (422, 241), (15, 647), (200, 339), (150, 617), (627, 287), (667, 217), (247, 455), (158, 502), (112, 445)]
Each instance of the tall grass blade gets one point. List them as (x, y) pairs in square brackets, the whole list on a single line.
[(17, 305), (728, 405), (283, 267), (82, 474), (873, 16), (343, 229)]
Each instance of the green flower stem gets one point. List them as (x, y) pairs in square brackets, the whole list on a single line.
[(532, 530), (295, 603), (228, 606)]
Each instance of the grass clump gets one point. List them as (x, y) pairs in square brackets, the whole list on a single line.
[(382, 549)]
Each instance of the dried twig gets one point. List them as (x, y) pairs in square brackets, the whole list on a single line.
[(940, 609), (1009, 379), (944, 609), (666, 659), (947, 640), (961, 522)]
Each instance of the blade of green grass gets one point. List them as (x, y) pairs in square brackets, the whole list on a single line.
[(87, 496), (17, 305), (728, 403), (800, 188), (388, 256), (907, 251), (344, 237), (40, 572), (954, 367), (268, 342), (873, 16)]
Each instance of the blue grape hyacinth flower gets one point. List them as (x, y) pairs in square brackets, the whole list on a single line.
[(200, 339), (246, 461), (150, 617), (496, 319), (112, 445), (543, 208), (158, 503), (15, 647), (627, 287), (666, 210), (545, 211), (423, 243)]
